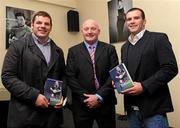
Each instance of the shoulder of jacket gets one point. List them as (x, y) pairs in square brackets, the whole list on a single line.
[(77, 46), (157, 33), (106, 44)]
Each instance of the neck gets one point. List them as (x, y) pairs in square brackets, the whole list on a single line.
[(132, 36), (43, 40), (91, 42)]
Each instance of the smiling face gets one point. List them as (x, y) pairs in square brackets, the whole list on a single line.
[(90, 31), (41, 27), (135, 22)]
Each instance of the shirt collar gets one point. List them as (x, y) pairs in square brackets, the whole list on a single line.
[(136, 38), (38, 41), (93, 45)]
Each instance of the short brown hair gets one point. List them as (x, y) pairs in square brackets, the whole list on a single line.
[(133, 9), (42, 13)]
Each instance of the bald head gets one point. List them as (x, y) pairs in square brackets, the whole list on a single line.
[(90, 21), (90, 31)]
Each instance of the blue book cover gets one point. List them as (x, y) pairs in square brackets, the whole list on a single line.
[(53, 91), (121, 77)]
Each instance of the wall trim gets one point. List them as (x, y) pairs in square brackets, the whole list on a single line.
[(65, 3)]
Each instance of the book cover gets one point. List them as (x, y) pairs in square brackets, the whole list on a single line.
[(53, 91), (121, 77)]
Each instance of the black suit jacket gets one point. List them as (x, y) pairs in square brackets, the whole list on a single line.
[(24, 73), (154, 68), (80, 71)]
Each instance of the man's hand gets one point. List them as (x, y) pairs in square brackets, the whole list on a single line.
[(41, 101), (91, 101), (113, 84), (135, 90)]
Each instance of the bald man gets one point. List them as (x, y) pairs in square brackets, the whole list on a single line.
[(93, 96)]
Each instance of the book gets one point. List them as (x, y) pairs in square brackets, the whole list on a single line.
[(121, 78), (53, 91)]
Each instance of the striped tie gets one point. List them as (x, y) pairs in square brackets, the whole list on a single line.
[(92, 53)]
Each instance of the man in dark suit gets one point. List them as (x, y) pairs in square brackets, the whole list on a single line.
[(27, 65), (93, 96), (151, 63)]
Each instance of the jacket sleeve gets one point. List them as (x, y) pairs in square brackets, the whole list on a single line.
[(10, 71), (72, 80), (167, 68), (107, 90)]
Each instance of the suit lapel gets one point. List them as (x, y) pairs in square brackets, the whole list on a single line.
[(125, 53), (85, 52), (35, 50), (54, 55), (140, 52), (99, 50)]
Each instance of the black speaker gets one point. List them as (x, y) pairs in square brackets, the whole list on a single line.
[(73, 21)]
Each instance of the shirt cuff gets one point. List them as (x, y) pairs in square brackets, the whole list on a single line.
[(100, 99)]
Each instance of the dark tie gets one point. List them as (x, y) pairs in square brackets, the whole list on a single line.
[(92, 53)]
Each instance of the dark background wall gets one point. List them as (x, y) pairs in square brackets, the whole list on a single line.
[(3, 113)]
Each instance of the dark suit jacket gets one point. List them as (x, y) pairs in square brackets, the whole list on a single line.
[(24, 73), (80, 71), (155, 67)]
